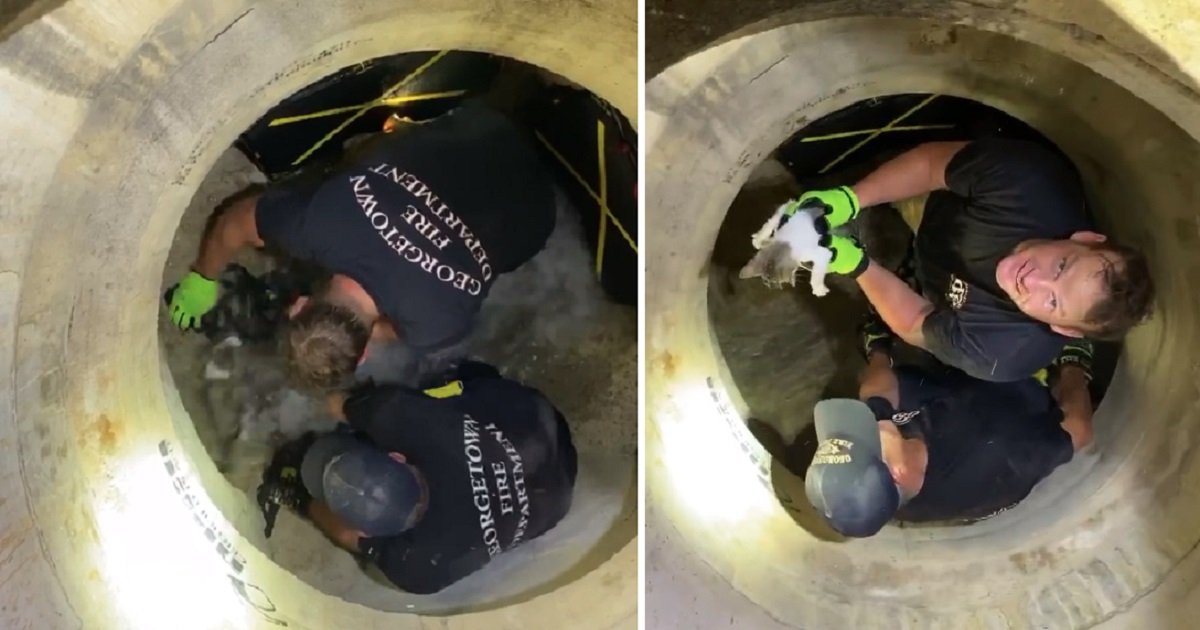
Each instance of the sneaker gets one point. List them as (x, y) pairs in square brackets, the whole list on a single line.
[(874, 336)]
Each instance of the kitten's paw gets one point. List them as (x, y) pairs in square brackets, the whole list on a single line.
[(760, 239), (820, 290)]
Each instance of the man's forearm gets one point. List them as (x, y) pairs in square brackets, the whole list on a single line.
[(1075, 400), (225, 239), (879, 380), (901, 308), (914, 172), (332, 526), (336, 405)]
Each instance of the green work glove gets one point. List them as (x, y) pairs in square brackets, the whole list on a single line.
[(849, 257), (839, 206), (194, 296)]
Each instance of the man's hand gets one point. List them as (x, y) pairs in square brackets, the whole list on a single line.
[(1076, 355), (281, 483), (1071, 392), (194, 296), (1069, 377), (849, 257), (838, 206)]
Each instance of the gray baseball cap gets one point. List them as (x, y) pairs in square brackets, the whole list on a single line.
[(362, 484), (848, 482)]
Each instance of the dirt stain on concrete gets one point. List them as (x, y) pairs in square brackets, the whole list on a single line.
[(16, 535), (667, 363), (1030, 561), (103, 431), (934, 40)]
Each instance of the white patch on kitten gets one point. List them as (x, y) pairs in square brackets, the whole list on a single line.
[(783, 250)]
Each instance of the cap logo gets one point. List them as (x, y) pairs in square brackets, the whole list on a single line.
[(902, 418), (833, 451)]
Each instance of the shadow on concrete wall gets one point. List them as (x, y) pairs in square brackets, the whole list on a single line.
[(16, 14)]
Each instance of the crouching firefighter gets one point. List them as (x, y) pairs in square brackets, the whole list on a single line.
[(430, 485)]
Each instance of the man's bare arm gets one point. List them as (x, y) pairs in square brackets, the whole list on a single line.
[(901, 308), (333, 526), (879, 381), (1073, 398), (336, 404), (914, 172), (233, 231)]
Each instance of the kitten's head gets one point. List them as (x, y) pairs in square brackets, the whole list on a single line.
[(774, 264)]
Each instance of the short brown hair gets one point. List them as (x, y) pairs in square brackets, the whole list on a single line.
[(1129, 293), (324, 344)]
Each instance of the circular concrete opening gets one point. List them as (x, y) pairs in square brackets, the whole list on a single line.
[(116, 516), (548, 318), (768, 336), (1092, 539)]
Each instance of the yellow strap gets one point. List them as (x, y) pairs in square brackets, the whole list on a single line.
[(449, 390), (389, 93), (875, 134), (862, 132), (394, 101), (582, 182), (603, 197)]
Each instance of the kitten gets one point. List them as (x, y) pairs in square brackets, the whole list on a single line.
[(782, 250)]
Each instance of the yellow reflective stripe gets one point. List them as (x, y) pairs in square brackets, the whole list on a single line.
[(395, 101), (1042, 376), (603, 197), (860, 132), (389, 93), (582, 182), (875, 133), (449, 390), (287, 120)]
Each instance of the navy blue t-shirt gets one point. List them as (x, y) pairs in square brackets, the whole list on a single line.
[(1000, 193), (424, 220), (989, 443), (499, 463)]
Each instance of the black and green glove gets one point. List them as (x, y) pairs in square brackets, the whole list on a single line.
[(849, 257), (282, 485), (838, 206), (1077, 352)]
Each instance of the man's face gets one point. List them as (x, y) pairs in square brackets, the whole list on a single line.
[(1056, 282)]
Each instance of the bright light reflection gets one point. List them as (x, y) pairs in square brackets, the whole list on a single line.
[(157, 562), (704, 463)]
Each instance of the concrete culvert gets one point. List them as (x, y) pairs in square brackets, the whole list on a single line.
[(547, 319), (119, 117), (1107, 540), (767, 336)]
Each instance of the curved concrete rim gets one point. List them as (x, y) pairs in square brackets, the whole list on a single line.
[(728, 528), (114, 112)]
